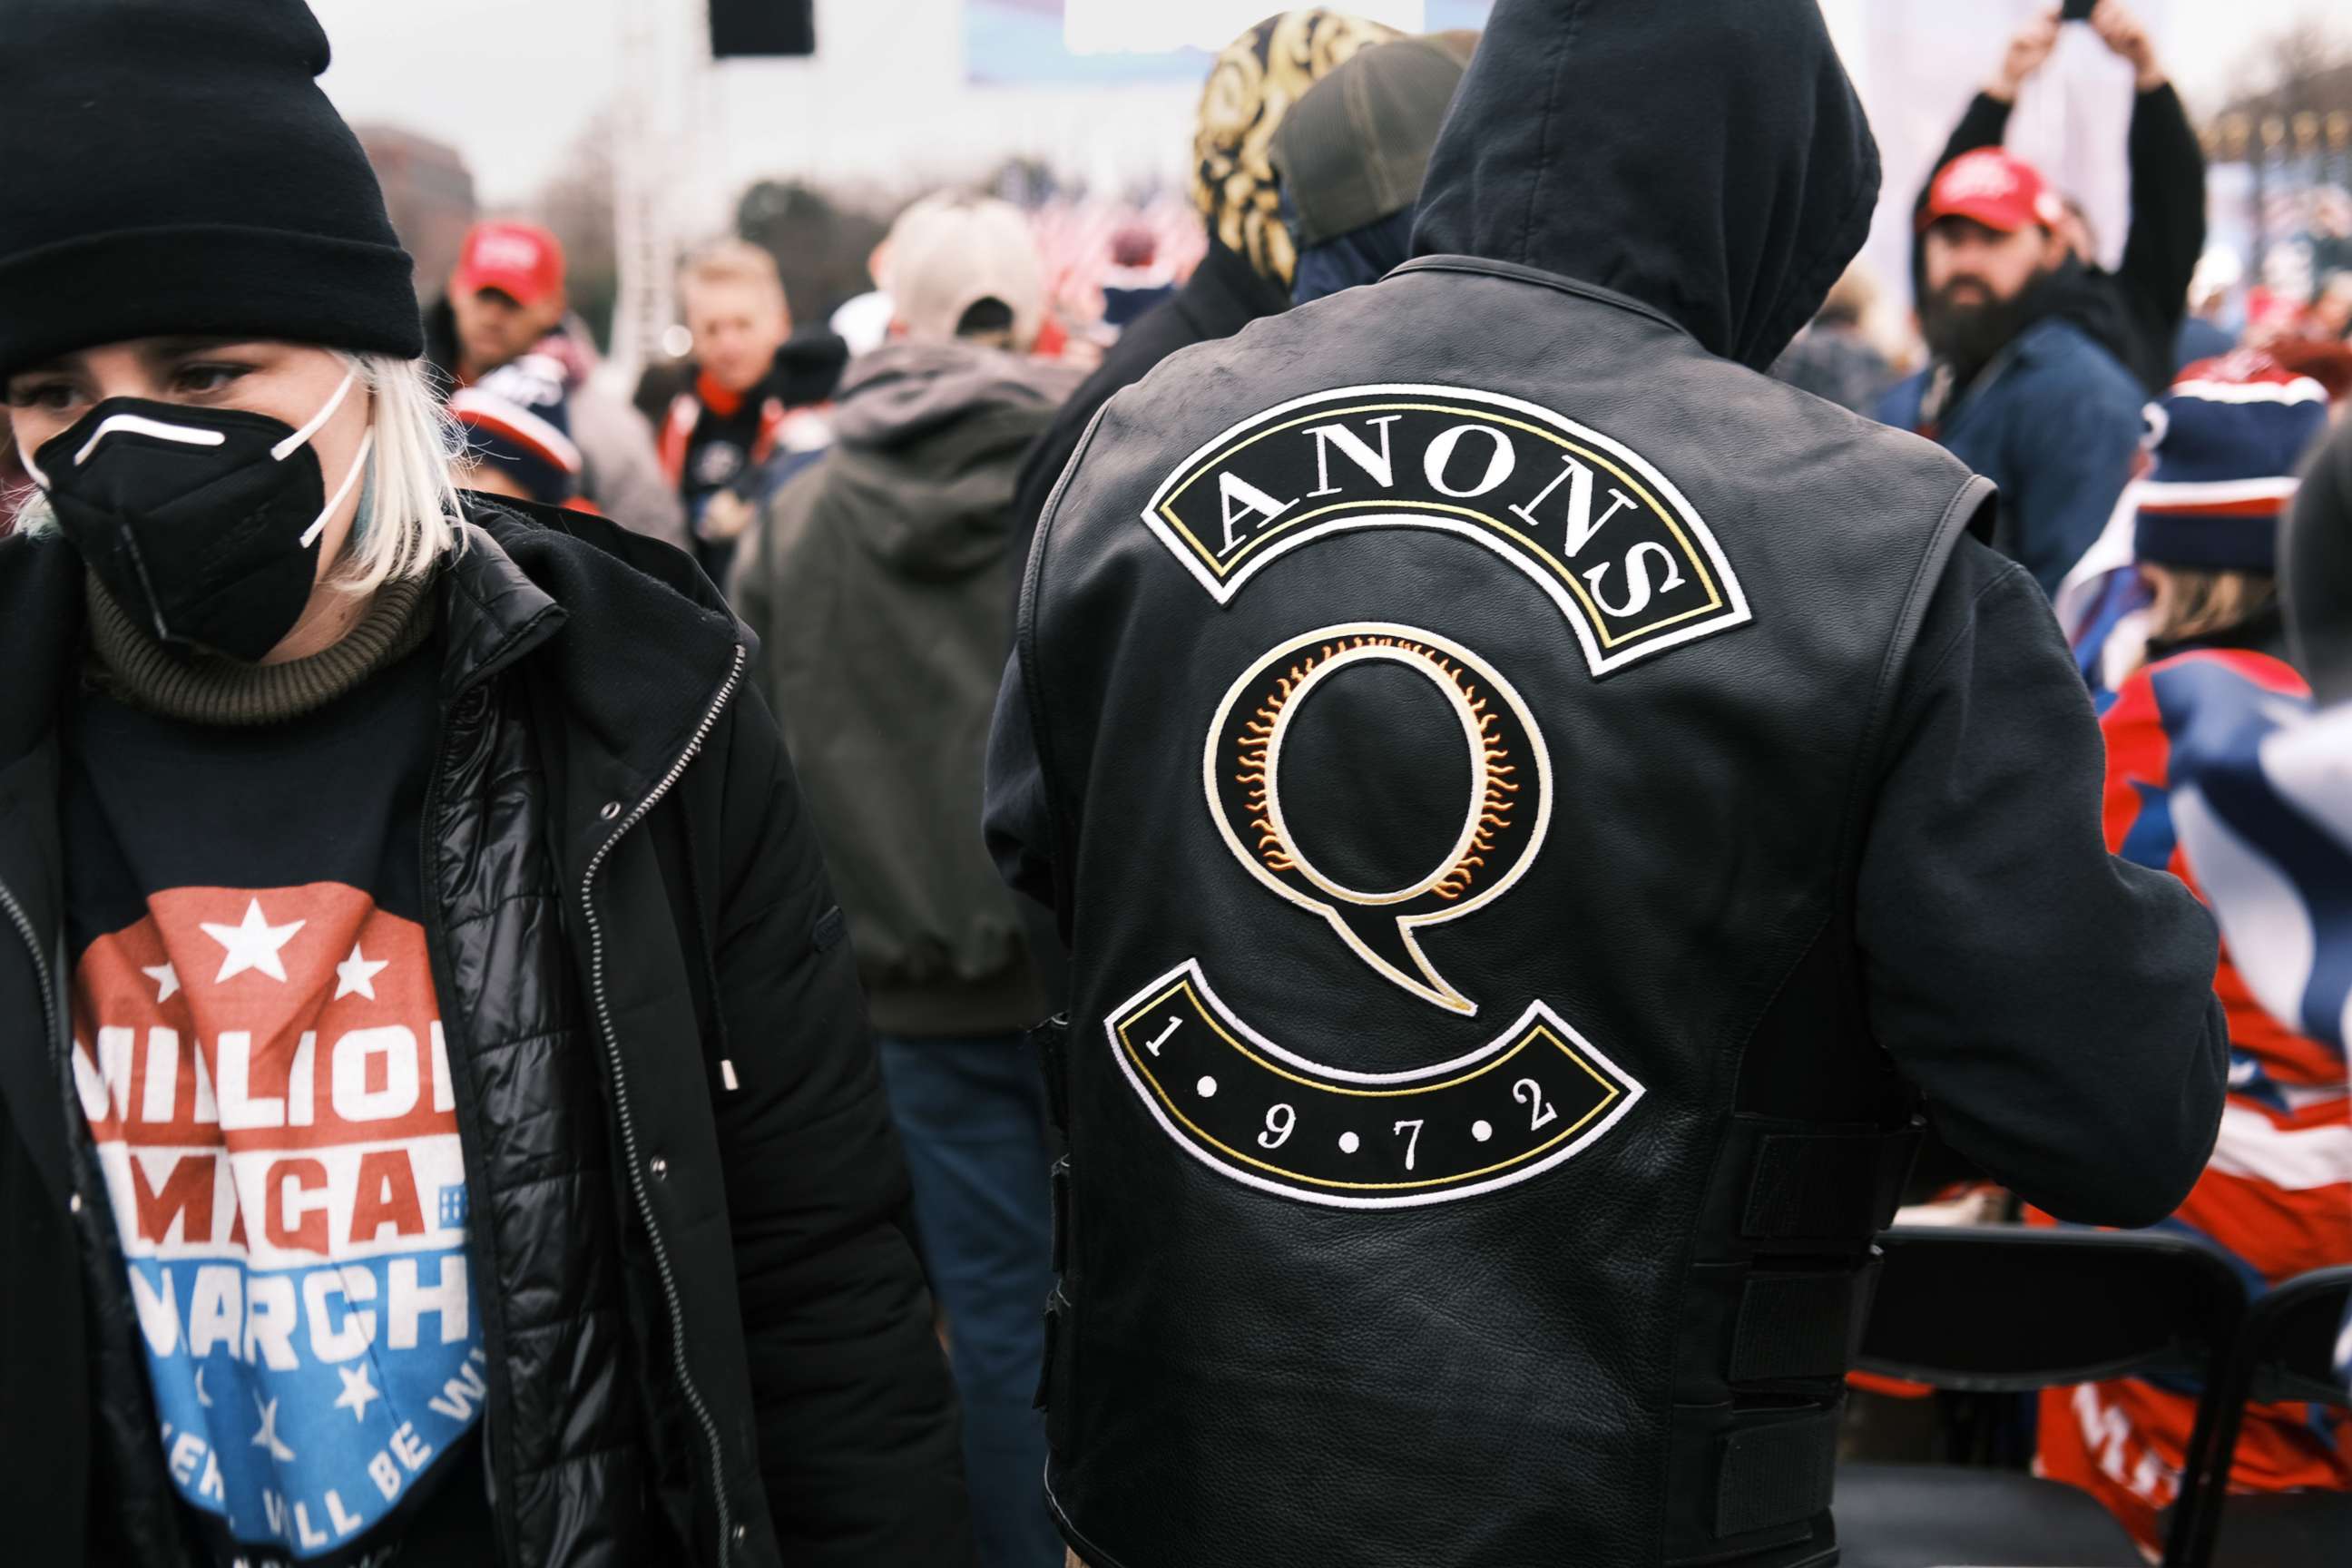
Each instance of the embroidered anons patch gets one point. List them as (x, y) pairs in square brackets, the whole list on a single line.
[(1596, 526)]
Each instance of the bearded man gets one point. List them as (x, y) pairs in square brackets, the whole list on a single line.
[(2016, 389)]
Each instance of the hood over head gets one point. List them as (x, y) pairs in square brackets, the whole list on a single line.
[(1707, 158), (928, 443)]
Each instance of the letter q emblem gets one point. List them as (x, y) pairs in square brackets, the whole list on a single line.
[(1504, 817)]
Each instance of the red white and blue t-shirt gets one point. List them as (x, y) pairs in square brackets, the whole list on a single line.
[(257, 1050)]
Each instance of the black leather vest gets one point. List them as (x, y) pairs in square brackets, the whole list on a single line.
[(1461, 702)]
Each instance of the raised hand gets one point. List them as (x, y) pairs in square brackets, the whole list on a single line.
[(2123, 33), (2027, 52)]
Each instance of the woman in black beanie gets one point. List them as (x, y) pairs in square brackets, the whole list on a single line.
[(436, 1117)]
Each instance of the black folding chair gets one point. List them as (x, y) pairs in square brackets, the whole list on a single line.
[(2284, 1352), (2011, 1310)]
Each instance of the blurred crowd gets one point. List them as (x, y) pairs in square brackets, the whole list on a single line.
[(864, 487), (869, 514)]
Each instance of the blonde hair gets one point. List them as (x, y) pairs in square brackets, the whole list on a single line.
[(1851, 298), (734, 261), (412, 517), (2203, 602)]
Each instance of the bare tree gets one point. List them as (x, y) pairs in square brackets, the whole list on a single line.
[(821, 241), (429, 192), (2288, 88), (2291, 122), (576, 204)]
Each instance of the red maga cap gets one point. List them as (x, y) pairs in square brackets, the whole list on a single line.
[(1990, 187), (521, 260)]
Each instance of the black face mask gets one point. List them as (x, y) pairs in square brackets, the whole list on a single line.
[(202, 523)]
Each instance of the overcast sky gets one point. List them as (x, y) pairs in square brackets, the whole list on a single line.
[(513, 83)]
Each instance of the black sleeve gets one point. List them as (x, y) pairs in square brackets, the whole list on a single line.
[(1016, 819), (857, 1428), (1039, 472), (2052, 1002), (2167, 214)]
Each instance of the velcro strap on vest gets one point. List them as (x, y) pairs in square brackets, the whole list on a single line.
[(1793, 1325), (1058, 1186), (1054, 1307), (1051, 1041), (1835, 1189), (1777, 1474)]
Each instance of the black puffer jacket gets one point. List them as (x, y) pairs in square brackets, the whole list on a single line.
[(704, 1321)]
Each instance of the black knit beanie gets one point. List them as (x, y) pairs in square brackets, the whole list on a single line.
[(170, 166)]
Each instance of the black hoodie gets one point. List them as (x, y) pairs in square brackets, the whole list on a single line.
[(1708, 160), (1801, 829), (1734, 213), (1745, 181)]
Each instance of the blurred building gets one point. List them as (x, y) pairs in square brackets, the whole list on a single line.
[(2286, 154), (429, 192)]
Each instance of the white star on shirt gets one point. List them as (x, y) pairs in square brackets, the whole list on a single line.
[(267, 1436), (253, 944), (166, 979), (357, 1390), (356, 974)]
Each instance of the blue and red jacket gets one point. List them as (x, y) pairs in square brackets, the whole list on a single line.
[(2188, 739)]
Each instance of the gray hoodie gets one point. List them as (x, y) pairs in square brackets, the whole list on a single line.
[(877, 587)]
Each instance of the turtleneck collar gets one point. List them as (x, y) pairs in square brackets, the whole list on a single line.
[(202, 689)]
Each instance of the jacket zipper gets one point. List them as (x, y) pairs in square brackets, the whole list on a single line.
[(621, 1097), (23, 924), (62, 1053), (49, 1016)]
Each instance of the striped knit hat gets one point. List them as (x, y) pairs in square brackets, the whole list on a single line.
[(517, 418), (2225, 451)]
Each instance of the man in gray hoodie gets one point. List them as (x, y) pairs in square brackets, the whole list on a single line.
[(875, 583)]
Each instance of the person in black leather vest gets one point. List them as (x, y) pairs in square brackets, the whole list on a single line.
[(1539, 811)]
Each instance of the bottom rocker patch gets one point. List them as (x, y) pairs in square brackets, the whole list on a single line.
[(1537, 1094)]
